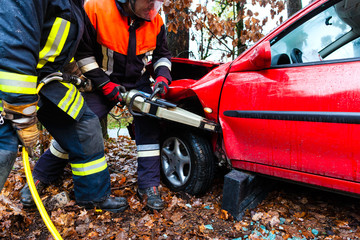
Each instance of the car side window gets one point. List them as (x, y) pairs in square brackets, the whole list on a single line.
[(329, 35)]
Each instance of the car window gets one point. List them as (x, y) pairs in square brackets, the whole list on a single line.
[(329, 35)]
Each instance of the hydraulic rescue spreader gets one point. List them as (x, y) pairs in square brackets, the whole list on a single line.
[(140, 104)]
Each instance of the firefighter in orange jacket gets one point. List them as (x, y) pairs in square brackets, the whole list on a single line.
[(122, 36)]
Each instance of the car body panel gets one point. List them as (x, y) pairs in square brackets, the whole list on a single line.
[(326, 183), (310, 145), (207, 89)]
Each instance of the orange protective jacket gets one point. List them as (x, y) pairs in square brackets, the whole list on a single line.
[(117, 48)]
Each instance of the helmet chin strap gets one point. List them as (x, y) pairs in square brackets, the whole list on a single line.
[(132, 9), (128, 8)]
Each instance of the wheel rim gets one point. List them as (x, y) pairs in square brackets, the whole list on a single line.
[(176, 162)]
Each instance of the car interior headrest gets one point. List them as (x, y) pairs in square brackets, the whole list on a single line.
[(280, 59), (296, 55)]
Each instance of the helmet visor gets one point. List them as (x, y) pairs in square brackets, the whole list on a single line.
[(146, 9)]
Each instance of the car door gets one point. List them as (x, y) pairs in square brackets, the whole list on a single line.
[(301, 115)]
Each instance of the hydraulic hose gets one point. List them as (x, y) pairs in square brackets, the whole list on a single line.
[(35, 194), (39, 87), (36, 197)]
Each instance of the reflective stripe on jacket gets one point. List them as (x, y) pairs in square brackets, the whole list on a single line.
[(53, 30), (17, 83), (66, 96), (117, 48)]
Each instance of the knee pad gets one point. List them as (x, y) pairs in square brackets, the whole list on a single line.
[(90, 136)]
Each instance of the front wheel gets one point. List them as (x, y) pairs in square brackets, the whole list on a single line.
[(187, 163)]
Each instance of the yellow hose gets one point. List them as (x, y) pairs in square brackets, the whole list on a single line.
[(39, 87), (36, 197), (34, 192)]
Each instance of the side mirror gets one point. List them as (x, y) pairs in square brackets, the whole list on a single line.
[(258, 59)]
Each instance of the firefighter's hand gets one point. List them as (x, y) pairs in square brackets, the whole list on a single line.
[(29, 137), (24, 120), (113, 92), (81, 82), (86, 84), (161, 86)]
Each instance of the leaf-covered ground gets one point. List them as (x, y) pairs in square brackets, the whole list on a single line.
[(289, 212)]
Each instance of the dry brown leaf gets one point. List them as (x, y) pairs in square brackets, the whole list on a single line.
[(342, 224), (299, 214), (202, 228), (122, 235), (224, 214), (177, 216), (92, 235)]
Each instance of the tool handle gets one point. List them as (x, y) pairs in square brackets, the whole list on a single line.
[(131, 105), (156, 91)]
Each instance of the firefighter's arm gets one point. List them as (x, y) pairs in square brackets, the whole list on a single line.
[(18, 61), (162, 63), (86, 55), (86, 60)]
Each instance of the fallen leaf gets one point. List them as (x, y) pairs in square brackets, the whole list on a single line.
[(224, 214), (176, 216)]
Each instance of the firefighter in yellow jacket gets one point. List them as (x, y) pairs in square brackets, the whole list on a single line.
[(38, 38)]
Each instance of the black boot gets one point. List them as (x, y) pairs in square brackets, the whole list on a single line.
[(25, 194), (112, 204), (154, 200)]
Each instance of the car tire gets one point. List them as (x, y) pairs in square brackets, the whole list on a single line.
[(187, 163)]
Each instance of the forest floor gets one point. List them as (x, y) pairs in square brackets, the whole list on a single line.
[(289, 211)]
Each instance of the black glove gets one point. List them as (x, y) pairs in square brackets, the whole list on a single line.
[(161, 86), (86, 86), (77, 81)]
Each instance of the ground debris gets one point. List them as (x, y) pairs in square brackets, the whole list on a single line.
[(289, 212)]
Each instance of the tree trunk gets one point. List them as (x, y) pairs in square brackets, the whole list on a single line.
[(179, 43), (293, 6), (103, 123), (239, 28)]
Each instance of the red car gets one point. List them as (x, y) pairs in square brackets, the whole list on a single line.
[(288, 107)]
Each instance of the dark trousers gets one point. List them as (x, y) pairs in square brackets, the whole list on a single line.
[(49, 167), (83, 142)]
